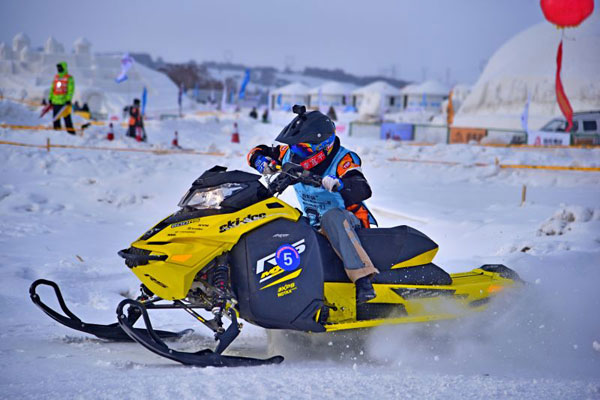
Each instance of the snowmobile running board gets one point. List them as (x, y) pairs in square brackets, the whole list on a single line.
[(109, 332), (203, 358)]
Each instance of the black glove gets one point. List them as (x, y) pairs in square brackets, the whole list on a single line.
[(68, 102)]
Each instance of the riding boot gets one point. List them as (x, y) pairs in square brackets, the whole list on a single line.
[(364, 290)]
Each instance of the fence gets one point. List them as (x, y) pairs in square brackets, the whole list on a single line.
[(428, 133)]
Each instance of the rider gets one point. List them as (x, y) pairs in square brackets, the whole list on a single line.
[(338, 204)]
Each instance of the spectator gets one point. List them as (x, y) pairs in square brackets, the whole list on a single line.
[(253, 113), (136, 121), (60, 97), (331, 113)]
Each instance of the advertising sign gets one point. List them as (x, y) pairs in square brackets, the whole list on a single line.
[(465, 135), (396, 131), (541, 138)]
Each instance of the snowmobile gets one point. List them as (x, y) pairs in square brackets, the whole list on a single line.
[(237, 251)]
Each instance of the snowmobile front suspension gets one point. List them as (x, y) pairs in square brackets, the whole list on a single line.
[(110, 332), (202, 358)]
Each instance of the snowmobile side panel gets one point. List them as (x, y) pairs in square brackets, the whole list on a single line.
[(468, 292), (190, 245), (269, 295)]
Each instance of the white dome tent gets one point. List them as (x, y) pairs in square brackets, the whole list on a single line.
[(288, 95), (375, 97), (526, 64), (330, 93), (427, 96)]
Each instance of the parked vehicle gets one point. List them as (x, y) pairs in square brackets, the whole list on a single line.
[(585, 130)]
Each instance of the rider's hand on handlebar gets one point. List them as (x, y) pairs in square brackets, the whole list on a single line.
[(265, 165), (332, 184)]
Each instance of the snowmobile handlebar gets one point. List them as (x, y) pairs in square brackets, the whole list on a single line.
[(290, 174)]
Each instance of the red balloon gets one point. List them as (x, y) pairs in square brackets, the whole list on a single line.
[(567, 13)]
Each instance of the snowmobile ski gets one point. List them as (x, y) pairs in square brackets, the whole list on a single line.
[(109, 332), (202, 358)]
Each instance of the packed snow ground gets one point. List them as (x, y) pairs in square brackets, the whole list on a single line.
[(65, 214)]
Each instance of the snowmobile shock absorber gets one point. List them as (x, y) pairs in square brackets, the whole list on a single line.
[(221, 278)]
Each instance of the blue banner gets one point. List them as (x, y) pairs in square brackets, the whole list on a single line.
[(144, 100), (396, 131), (244, 83)]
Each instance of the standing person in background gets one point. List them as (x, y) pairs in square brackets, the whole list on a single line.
[(253, 113), (135, 120), (60, 97)]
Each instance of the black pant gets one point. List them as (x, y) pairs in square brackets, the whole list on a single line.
[(132, 131), (68, 123)]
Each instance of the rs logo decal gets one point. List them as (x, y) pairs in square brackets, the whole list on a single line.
[(267, 266)]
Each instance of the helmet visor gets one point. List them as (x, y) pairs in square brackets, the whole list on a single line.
[(305, 150)]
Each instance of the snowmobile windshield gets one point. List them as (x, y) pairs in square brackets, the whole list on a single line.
[(209, 198)]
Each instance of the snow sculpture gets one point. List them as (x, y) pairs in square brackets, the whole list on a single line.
[(20, 41), (82, 46), (53, 46)]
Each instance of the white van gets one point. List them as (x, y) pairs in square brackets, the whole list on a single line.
[(585, 130)]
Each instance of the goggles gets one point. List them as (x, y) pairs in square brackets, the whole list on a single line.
[(308, 149)]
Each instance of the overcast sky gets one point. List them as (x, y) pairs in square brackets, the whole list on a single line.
[(411, 39)]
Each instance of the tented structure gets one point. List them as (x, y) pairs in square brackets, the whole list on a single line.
[(427, 96), (391, 95), (330, 93), (526, 66), (286, 96)]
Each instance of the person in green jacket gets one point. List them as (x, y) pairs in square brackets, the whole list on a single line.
[(60, 97)]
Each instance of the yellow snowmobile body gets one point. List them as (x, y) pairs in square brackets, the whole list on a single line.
[(315, 294)]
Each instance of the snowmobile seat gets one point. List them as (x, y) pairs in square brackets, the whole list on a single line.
[(387, 247)]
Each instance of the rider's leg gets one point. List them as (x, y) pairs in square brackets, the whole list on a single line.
[(340, 228)]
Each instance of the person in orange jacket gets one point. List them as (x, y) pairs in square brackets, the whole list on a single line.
[(60, 96), (135, 120)]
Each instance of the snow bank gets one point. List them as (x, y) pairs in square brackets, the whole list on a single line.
[(17, 114)]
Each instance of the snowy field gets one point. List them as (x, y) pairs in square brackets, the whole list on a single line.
[(65, 214)]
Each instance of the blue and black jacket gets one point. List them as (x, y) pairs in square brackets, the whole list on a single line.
[(341, 163)]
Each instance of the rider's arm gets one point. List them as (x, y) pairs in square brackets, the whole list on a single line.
[(355, 186), (275, 153)]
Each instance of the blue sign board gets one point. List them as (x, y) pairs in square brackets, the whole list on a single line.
[(397, 131)]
